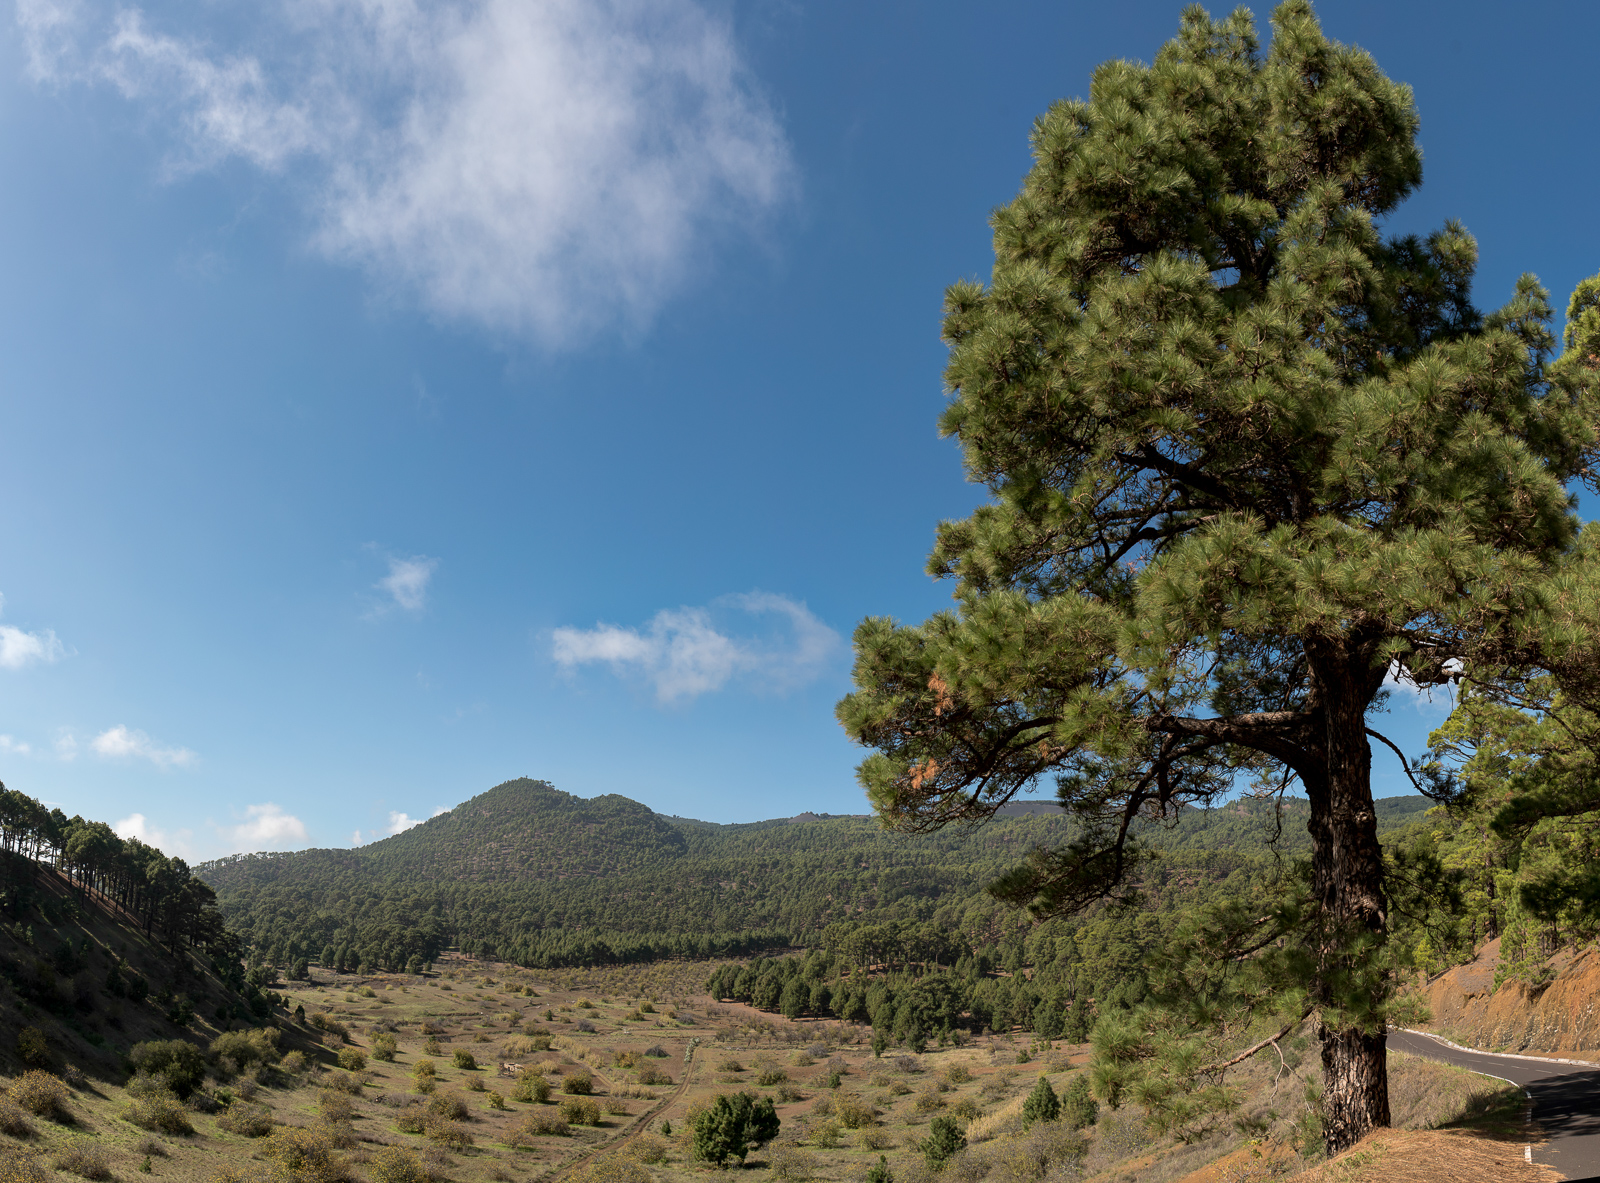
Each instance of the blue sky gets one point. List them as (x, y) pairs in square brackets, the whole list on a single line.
[(400, 398)]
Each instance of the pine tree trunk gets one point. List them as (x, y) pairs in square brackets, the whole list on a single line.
[(1347, 878)]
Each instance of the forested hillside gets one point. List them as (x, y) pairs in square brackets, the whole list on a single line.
[(532, 875)]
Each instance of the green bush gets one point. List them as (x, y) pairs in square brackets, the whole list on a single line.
[(1042, 1104), (398, 1164), (259, 1046), (578, 1084), (530, 1088), (88, 1162), (248, 1121), (32, 1047), (41, 1094), (384, 1048), (1078, 1106), (351, 1059), (943, 1141), (579, 1111), (158, 1110), (465, 1061), (175, 1062)]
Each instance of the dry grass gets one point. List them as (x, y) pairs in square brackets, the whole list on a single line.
[(1429, 1156)]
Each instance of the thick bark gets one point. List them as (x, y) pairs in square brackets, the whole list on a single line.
[(1347, 879)]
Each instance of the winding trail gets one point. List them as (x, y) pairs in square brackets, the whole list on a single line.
[(1565, 1095)]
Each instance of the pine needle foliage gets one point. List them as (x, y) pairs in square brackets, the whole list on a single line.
[(1249, 459)]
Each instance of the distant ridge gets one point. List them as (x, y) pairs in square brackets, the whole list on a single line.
[(527, 872)]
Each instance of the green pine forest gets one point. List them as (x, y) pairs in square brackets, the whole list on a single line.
[(532, 875)]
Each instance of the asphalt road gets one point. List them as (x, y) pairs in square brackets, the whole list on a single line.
[(1566, 1100)]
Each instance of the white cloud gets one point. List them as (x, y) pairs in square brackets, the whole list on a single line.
[(407, 581), (19, 649), (66, 746), (120, 742), (137, 825), (1437, 700), (15, 746), (266, 827), (685, 652), (399, 823), (439, 811), (538, 167)]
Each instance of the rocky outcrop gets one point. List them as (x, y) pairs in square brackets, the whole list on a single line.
[(1560, 1017)]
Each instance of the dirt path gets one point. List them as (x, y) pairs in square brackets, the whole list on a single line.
[(640, 1124)]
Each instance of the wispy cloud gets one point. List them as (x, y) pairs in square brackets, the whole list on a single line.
[(120, 742), (540, 168), (14, 746), (406, 585), (19, 649), (686, 652), (266, 827)]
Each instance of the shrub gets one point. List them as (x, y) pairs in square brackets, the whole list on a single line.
[(159, 1110), (1078, 1106), (616, 1107), (294, 1063), (578, 1084), (899, 1088), (451, 1105), (801, 1060), (443, 1132), (347, 1082), (495, 1100), (151, 1146), (18, 1165), (613, 1168), (907, 1064), (880, 1080), (87, 1161), (877, 1140), (579, 1111), (825, 1134), (14, 1121), (41, 1094), (543, 1123), (966, 1109), (530, 1088), (32, 1047), (473, 1084), (650, 1074), (335, 1105), (177, 1063), (465, 1061), (944, 1140), (244, 1048), (586, 1027), (855, 1112), (410, 1118), (929, 1101), (397, 1164), (351, 1059), (309, 1155), (787, 1093), (656, 1051), (792, 1165), (423, 1067), (384, 1047), (650, 1148), (957, 1074), (248, 1121), (730, 1065), (1042, 1104), (771, 1075)]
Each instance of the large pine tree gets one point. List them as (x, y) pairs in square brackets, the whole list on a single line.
[(1247, 456)]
